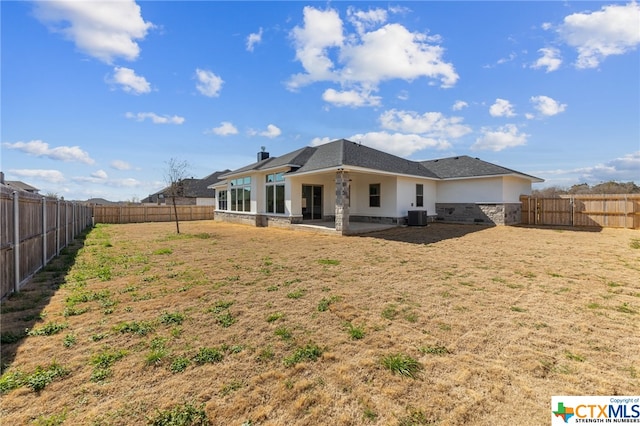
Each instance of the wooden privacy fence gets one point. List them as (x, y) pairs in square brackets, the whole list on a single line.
[(34, 230), (607, 211), (150, 213)]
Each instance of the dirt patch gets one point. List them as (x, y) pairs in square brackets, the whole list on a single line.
[(259, 325)]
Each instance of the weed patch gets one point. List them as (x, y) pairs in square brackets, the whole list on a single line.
[(310, 352), (48, 329), (141, 328), (355, 332), (402, 365), (181, 415), (208, 355)]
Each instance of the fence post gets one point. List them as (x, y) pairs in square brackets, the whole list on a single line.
[(16, 242), (58, 227), (44, 231)]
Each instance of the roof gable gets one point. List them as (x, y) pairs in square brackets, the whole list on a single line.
[(344, 153)]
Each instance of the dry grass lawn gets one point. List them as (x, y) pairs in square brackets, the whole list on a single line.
[(278, 327)]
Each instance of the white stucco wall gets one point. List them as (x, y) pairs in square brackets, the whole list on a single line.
[(407, 196), (514, 187), (505, 189), (360, 195)]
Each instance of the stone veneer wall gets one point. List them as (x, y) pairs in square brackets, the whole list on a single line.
[(253, 219), (489, 213), (380, 219)]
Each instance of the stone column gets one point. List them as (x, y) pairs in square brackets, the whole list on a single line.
[(342, 201)]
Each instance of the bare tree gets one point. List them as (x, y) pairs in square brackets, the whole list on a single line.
[(174, 176)]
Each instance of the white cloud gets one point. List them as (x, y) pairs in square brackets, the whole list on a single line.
[(100, 174), (120, 165), (458, 105), (504, 137), (52, 176), (130, 82), (350, 98), (37, 148), (550, 59), (253, 39), (362, 20), (613, 30), (208, 84), (104, 30), (226, 128), (321, 31), (501, 108), (400, 144), (360, 61), (155, 118), (623, 169), (547, 106), (125, 183), (433, 124), (271, 132)]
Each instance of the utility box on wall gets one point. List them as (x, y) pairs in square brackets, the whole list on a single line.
[(417, 218)]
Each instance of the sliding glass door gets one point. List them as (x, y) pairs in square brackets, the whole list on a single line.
[(311, 202)]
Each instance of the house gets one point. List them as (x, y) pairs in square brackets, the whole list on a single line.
[(344, 182), (189, 191), (18, 185)]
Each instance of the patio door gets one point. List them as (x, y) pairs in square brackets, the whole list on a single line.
[(311, 202)]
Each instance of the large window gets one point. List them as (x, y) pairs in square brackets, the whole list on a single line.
[(240, 190), (275, 193), (222, 200), (374, 195), (419, 195)]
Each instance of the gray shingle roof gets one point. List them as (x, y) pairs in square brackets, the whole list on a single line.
[(465, 166), (344, 153)]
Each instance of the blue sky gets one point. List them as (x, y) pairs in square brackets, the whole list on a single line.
[(98, 96)]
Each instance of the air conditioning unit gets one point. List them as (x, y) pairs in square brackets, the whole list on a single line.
[(417, 218)]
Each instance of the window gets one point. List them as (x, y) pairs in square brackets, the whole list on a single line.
[(419, 195), (240, 190), (275, 193), (374, 195), (222, 200)]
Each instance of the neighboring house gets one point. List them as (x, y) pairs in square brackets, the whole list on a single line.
[(345, 182), (189, 192), (18, 185)]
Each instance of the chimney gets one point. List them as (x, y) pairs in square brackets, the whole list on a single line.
[(262, 155), (2, 178)]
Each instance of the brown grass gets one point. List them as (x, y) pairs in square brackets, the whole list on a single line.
[(500, 319)]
